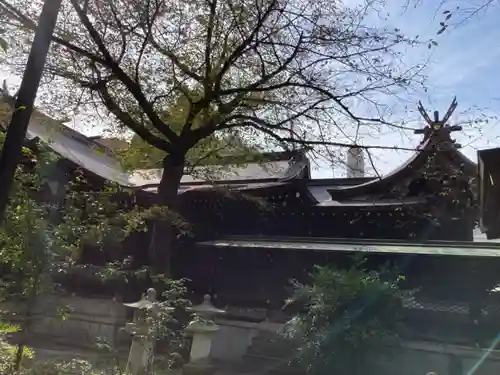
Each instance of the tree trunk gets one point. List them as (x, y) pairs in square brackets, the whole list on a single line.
[(163, 234)]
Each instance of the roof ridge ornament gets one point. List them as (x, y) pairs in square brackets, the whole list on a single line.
[(438, 126)]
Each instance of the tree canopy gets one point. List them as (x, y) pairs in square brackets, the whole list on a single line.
[(276, 70), (142, 155)]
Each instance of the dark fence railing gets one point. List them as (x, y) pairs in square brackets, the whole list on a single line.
[(474, 323)]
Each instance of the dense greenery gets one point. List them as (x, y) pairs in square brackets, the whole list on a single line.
[(40, 233), (43, 235), (344, 314)]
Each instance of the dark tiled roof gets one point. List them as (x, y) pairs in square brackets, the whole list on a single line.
[(416, 162)]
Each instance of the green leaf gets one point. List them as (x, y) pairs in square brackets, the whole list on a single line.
[(3, 44)]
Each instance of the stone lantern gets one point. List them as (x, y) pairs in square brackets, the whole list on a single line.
[(141, 355), (202, 328)]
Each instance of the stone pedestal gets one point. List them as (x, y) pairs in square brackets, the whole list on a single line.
[(141, 355), (202, 332)]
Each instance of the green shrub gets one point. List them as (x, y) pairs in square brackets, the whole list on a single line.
[(8, 351), (343, 314)]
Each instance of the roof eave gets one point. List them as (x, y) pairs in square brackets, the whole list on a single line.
[(418, 160)]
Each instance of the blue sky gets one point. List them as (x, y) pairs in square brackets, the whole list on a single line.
[(465, 63)]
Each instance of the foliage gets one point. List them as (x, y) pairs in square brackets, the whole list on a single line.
[(39, 233), (8, 351), (24, 235), (170, 325), (7, 354), (344, 313), (74, 366), (42, 235), (103, 217), (166, 327), (3, 44), (142, 155)]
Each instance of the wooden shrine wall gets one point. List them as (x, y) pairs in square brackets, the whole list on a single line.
[(211, 219)]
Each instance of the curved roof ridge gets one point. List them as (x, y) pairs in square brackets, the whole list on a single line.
[(406, 166), (416, 161)]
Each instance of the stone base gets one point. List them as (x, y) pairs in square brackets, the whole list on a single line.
[(201, 367)]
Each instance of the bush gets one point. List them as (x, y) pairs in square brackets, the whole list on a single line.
[(343, 314), (8, 351)]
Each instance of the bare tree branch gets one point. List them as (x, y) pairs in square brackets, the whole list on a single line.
[(132, 86), (125, 118)]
